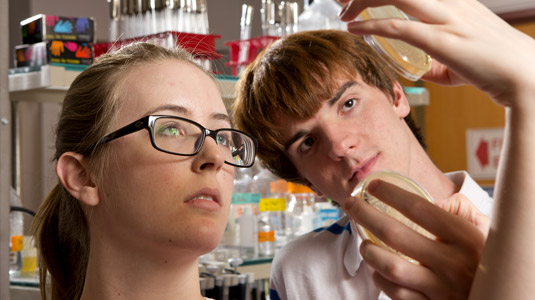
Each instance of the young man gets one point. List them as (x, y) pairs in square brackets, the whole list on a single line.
[(327, 112), (465, 39)]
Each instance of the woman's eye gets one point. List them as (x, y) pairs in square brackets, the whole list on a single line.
[(223, 139), (306, 144), (171, 130), (349, 104)]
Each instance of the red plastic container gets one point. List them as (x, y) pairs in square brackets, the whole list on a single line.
[(202, 46), (251, 47)]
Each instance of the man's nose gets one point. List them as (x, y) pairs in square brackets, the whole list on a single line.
[(340, 142)]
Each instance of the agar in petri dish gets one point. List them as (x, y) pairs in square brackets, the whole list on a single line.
[(409, 61), (401, 181)]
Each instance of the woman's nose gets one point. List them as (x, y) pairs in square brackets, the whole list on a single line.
[(210, 155)]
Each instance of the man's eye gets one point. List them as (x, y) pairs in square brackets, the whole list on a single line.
[(307, 144), (349, 104)]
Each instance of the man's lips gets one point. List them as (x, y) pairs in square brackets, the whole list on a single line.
[(364, 169)]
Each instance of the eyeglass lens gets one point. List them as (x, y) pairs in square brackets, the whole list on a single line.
[(183, 137)]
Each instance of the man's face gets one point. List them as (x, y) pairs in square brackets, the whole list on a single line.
[(357, 131)]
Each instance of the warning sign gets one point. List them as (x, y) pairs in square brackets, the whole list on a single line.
[(483, 148)]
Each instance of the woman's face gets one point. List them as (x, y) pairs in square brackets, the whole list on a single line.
[(155, 201)]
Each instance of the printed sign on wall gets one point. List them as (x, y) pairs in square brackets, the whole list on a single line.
[(483, 148)]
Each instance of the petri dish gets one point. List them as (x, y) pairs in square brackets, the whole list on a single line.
[(404, 182), (408, 61)]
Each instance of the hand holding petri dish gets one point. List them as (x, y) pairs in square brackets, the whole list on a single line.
[(401, 181), (407, 60)]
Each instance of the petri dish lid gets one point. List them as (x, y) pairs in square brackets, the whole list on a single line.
[(408, 61), (404, 182)]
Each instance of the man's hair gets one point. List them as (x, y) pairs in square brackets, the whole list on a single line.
[(295, 75)]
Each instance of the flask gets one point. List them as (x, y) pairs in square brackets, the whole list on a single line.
[(407, 60), (16, 232)]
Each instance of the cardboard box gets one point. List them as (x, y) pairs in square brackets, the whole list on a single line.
[(45, 27), (54, 52), (69, 52), (31, 55)]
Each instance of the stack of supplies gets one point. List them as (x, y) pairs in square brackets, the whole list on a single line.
[(55, 40)]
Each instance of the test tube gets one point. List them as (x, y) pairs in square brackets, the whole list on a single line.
[(130, 20), (186, 17), (123, 27), (156, 16), (272, 19), (181, 12), (291, 17), (245, 34), (264, 11), (169, 12), (115, 15), (246, 21), (199, 17)]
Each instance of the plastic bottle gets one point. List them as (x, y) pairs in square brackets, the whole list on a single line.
[(262, 182), (248, 232), (230, 235), (300, 210), (16, 233), (266, 235), (307, 219), (321, 14)]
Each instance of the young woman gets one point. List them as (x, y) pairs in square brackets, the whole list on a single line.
[(145, 159)]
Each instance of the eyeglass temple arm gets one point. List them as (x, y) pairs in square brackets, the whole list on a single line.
[(130, 128)]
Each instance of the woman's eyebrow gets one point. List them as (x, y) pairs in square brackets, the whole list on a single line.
[(221, 117), (171, 107)]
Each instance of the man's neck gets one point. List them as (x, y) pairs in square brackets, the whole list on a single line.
[(429, 176)]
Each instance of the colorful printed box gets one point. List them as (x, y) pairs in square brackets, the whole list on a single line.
[(54, 52), (31, 55), (44, 27)]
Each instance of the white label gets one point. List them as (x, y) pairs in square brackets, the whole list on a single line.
[(483, 148)]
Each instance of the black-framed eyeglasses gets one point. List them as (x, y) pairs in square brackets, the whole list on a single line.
[(180, 136)]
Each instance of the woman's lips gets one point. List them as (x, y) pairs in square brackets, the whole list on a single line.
[(206, 198)]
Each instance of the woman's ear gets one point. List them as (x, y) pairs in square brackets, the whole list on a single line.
[(74, 176), (400, 102)]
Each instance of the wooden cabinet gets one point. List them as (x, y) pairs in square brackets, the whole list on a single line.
[(508, 6)]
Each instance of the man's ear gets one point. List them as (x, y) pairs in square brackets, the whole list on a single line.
[(400, 102), (74, 176)]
